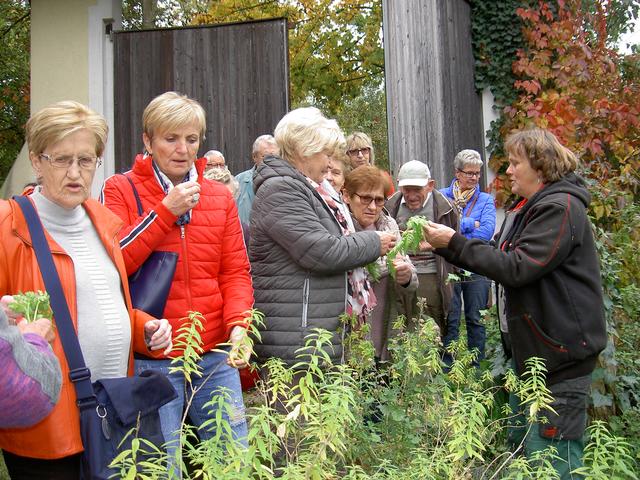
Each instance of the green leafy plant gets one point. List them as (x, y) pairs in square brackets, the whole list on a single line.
[(409, 242), (606, 456), (32, 305), (403, 419)]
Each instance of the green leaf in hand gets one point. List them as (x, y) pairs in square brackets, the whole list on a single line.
[(409, 242), (373, 269), (32, 305)]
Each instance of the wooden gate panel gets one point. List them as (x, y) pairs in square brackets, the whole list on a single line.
[(238, 72)]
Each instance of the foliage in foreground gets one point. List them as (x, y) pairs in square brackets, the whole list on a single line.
[(403, 420)]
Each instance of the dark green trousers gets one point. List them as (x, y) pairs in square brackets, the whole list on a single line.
[(564, 431)]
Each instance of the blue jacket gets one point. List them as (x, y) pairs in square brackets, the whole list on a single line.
[(483, 210), (245, 196)]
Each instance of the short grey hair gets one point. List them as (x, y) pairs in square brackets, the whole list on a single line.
[(467, 157), (213, 153), (262, 139), (304, 132)]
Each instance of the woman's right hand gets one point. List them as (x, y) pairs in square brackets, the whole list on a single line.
[(180, 199), (387, 242), (41, 326), (12, 316)]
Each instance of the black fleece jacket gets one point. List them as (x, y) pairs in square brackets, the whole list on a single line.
[(550, 271)]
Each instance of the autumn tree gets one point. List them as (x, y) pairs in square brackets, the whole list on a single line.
[(145, 14), (335, 46), (14, 80), (567, 78)]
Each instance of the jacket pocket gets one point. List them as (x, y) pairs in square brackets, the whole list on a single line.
[(305, 302), (530, 340), (550, 342)]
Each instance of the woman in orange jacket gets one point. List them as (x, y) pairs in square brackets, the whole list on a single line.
[(65, 142)]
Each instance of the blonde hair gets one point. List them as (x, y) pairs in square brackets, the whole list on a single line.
[(53, 123), (341, 157), (361, 140), (223, 175), (544, 152), (304, 132), (170, 111)]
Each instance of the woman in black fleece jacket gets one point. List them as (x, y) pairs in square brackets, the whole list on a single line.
[(546, 263)]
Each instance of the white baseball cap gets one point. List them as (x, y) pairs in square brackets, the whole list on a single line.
[(414, 173)]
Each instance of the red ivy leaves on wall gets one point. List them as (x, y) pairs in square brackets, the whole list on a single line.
[(570, 82)]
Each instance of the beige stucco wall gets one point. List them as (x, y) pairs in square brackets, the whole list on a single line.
[(59, 51), (70, 60)]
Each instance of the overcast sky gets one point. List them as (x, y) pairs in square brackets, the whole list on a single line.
[(632, 38)]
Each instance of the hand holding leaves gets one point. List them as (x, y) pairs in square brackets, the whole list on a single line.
[(32, 305)]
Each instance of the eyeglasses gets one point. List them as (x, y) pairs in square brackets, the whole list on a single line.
[(470, 174), (65, 161), (357, 151), (367, 199)]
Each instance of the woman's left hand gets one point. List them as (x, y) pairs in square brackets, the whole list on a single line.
[(438, 235), (157, 335), (403, 271), (241, 348)]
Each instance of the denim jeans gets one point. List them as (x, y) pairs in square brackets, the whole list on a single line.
[(475, 291), (216, 375)]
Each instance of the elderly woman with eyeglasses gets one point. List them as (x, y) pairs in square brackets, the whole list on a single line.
[(365, 191), (360, 152), (306, 261), (65, 142), (477, 213)]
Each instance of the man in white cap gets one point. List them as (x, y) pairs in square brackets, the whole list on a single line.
[(417, 196)]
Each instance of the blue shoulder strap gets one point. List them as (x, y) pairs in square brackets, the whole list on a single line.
[(78, 372), (135, 194)]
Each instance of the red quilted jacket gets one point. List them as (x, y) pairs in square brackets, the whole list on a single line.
[(212, 276)]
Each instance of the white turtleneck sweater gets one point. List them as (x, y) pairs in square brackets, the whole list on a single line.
[(104, 331)]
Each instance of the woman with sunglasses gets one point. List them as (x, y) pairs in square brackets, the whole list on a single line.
[(365, 191), (477, 220), (361, 152)]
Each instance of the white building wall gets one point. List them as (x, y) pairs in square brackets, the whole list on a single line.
[(71, 59), (489, 114)]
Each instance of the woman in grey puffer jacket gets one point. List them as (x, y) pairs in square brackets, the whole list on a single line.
[(304, 260)]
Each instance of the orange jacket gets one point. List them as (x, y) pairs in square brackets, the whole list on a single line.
[(212, 276), (58, 435)]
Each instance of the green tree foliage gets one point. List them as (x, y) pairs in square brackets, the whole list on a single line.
[(14, 79), (143, 14), (335, 46), (367, 113)]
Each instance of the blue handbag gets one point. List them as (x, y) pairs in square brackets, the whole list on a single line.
[(149, 286), (109, 408)]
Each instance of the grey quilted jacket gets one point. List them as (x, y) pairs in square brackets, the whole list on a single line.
[(299, 261)]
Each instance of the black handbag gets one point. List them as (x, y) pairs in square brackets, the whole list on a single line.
[(109, 408), (149, 286)]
